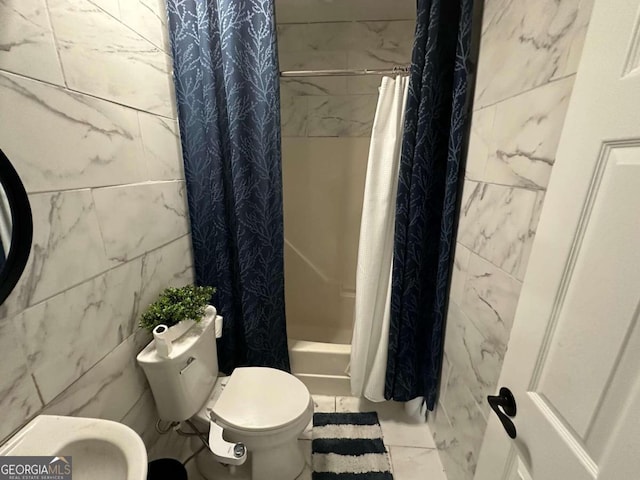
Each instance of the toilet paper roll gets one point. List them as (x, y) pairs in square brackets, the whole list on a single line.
[(218, 326), (162, 339)]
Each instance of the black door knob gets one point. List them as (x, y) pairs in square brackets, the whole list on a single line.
[(504, 405)]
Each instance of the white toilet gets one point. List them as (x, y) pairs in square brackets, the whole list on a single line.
[(263, 409)]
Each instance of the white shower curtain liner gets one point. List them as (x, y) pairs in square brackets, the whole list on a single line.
[(375, 252)]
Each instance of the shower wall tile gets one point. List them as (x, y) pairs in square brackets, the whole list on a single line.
[(355, 85), (490, 299), (341, 116), (313, 86), (312, 60), (108, 390), (379, 58), (305, 37), (396, 34), (26, 42), (162, 150), (19, 398), (293, 116), (364, 84), (496, 223), (156, 214), (103, 57), (525, 136), (92, 319), (105, 138), (345, 35), (525, 45), (324, 166)]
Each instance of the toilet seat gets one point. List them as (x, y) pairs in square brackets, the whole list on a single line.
[(258, 399)]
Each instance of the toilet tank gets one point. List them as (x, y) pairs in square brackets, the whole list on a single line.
[(182, 383)]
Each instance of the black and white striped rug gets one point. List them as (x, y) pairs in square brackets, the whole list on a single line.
[(349, 446)]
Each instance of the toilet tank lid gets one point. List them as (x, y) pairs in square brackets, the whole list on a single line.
[(261, 398), (182, 345)]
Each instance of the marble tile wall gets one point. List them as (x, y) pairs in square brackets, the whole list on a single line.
[(529, 53), (326, 125), (337, 106), (87, 117)]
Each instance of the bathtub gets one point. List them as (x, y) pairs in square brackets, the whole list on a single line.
[(322, 366)]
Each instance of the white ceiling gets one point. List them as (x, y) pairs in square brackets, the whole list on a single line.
[(307, 11)]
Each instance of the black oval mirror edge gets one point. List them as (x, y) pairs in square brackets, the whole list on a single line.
[(21, 227)]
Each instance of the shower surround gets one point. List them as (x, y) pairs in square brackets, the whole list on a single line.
[(326, 129)]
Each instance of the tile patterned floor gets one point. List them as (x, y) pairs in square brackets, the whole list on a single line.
[(411, 447)]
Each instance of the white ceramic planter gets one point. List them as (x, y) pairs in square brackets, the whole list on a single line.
[(182, 327), (163, 337)]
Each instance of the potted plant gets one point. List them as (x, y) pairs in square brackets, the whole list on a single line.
[(178, 308)]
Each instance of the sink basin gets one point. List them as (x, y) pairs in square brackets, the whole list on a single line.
[(100, 449)]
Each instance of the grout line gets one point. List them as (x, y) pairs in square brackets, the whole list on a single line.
[(145, 153), (121, 264), (86, 94), (91, 368), (99, 187), (45, 405), (122, 22), (512, 276), (519, 187), (94, 209), (56, 43), (135, 404), (548, 82)]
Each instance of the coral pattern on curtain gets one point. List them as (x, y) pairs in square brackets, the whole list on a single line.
[(227, 88), (435, 124)]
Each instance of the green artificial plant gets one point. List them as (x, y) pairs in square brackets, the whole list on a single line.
[(177, 304)]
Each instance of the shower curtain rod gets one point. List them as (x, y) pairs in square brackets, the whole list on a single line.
[(345, 72)]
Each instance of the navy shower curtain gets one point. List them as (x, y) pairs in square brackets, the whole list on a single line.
[(435, 125), (227, 87)]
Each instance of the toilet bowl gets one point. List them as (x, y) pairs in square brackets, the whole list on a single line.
[(266, 410), (255, 414)]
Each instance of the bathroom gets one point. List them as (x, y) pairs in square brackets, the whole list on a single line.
[(89, 121)]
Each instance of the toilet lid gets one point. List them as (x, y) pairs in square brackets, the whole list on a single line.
[(260, 398)]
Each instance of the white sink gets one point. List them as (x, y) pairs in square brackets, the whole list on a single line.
[(100, 449)]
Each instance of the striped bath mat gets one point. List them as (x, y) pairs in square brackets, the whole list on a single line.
[(349, 446)]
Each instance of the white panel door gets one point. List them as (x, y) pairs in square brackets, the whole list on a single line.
[(573, 363)]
